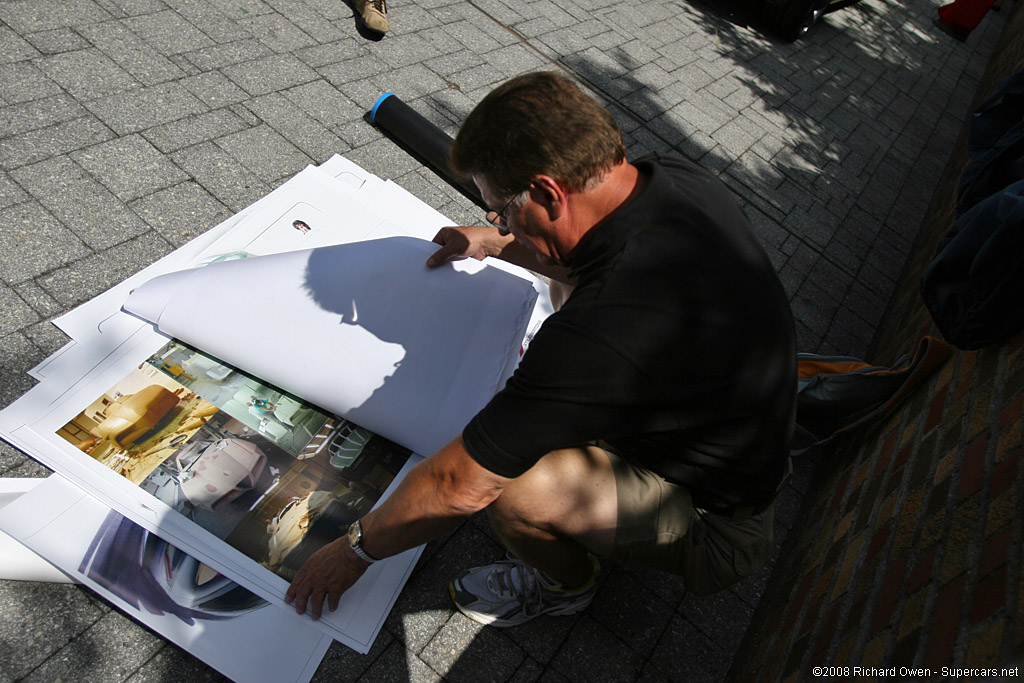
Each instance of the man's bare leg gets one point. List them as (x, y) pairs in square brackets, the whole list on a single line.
[(563, 507)]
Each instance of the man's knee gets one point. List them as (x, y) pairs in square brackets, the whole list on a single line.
[(568, 492), (528, 498)]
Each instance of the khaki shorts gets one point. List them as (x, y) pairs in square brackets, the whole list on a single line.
[(659, 527)]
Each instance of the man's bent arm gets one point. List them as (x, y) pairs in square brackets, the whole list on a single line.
[(434, 497), (480, 241)]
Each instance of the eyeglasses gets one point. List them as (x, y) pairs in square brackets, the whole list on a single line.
[(498, 217)]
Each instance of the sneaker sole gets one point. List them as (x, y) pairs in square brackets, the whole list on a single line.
[(491, 620)]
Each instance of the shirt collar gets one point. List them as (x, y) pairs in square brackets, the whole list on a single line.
[(618, 228)]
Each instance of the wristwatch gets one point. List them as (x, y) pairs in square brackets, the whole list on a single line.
[(355, 541)]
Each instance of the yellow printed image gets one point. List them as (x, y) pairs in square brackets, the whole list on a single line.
[(138, 423)]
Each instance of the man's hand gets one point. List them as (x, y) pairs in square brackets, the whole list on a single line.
[(328, 573), (467, 241), (435, 496), (481, 241)]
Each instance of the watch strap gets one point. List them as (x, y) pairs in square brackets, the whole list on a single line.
[(357, 543)]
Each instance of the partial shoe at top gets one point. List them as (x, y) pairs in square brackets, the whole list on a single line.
[(375, 14)]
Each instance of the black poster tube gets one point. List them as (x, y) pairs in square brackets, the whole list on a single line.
[(420, 137)]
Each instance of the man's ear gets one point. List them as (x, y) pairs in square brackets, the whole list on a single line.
[(550, 194)]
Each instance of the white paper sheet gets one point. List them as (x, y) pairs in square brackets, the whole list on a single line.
[(229, 628), (361, 612), (17, 562), (339, 203), (88, 369), (364, 330), (266, 226), (41, 370)]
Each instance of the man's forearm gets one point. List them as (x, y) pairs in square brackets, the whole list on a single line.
[(437, 494), (408, 518), (434, 497)]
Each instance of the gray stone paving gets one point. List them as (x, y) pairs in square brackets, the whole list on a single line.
[(128, 127)]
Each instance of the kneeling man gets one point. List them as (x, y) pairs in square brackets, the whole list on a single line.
[(649, 420)]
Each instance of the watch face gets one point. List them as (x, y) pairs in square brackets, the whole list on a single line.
[(355, 534)]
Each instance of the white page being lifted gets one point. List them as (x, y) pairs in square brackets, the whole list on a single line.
[(364, 330)]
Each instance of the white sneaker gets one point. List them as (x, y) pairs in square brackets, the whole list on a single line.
[(510, 592)]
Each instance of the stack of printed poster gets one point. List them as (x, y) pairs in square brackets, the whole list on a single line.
[(225, 412)]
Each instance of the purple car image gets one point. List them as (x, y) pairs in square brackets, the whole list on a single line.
[(149, 573)]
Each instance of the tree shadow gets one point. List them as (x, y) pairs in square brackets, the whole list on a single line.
[(820, 139)]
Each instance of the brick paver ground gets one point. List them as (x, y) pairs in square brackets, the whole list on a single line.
[(128, 127)]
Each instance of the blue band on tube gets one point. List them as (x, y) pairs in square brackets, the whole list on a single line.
[(373, 112)]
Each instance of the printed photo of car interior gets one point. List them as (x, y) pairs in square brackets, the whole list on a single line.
[(272, 476)]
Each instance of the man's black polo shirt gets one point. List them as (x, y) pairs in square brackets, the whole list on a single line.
[(677, 348)]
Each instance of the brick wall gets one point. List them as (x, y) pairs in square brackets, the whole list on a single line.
[(908, 549)]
